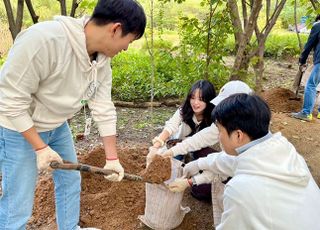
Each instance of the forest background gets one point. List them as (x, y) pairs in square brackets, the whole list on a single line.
[(185, 40)]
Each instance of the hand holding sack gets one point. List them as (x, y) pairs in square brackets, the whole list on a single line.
[(191, 169), (114, 165), (179, 185), (45, 156)]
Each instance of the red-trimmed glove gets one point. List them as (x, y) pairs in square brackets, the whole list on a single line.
[(45, 156)]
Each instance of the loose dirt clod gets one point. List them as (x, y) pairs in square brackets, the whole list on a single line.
[(158, 171)]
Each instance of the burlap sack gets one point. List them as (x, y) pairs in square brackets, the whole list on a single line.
[(163, 208), (217, 190)]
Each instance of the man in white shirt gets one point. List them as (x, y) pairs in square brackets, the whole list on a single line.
[(271, 185)]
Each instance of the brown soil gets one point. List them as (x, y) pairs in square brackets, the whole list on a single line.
[(116, 205), (158, 171), (281, 100)]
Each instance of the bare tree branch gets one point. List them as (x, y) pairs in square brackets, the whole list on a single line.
[(19, 15), (246, 36), (235, 20), (315, 4), (33, 14), (268, 5), (14, 24), (74, 6), (274, 17), (11, 21), (63, 8), (244, 13)]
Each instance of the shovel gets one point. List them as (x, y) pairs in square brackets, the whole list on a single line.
[(92, 169), (296, 84)]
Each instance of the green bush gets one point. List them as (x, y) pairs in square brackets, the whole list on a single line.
[(131, 76), (278, 45), (174, 74), (283, 45)]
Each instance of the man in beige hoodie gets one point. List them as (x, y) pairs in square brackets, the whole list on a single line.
[(54, 69)]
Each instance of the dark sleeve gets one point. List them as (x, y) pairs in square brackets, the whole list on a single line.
[(313, 40)]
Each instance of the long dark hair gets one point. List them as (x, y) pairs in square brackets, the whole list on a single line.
[(207, 93)]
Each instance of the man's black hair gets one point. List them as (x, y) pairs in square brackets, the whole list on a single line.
[(127, 12), (317, 18), (249, 113)]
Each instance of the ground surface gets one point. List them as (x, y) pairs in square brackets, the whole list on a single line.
[(117, 205)]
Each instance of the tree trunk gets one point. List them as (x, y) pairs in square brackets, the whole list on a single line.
[(63, 8), (261, 38), (244, 37), (74, 6), (259, 67), (14, 24), (33, 14)]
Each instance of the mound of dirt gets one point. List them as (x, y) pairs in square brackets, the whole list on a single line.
[(279, 100)]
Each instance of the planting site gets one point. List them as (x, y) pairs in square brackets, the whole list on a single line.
[(117, 205)]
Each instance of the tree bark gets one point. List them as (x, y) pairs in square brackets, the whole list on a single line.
[(34, 16), (74, 6), (261, 39), (63, 8), (14, 24), (315, 4), (244, 36)]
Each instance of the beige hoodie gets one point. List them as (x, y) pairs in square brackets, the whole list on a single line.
[(47, 74)]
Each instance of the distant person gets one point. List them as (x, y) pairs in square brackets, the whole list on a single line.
[(54, 69), (310, 91), (271, 185)]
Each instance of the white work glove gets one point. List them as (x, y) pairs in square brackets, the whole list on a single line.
[(45, 156), (167, 153), (115, 166), (206, 177), (152, 153), (191, 169), (179, 185)]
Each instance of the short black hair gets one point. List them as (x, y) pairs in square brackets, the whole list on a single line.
[(207, 93), (127, 12), (317, 18), (249, 113)]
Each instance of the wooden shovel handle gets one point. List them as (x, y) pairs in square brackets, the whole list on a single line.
[(91, 169)]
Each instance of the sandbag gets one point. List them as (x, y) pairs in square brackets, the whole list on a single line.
[(163, 208), (217, 190)]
